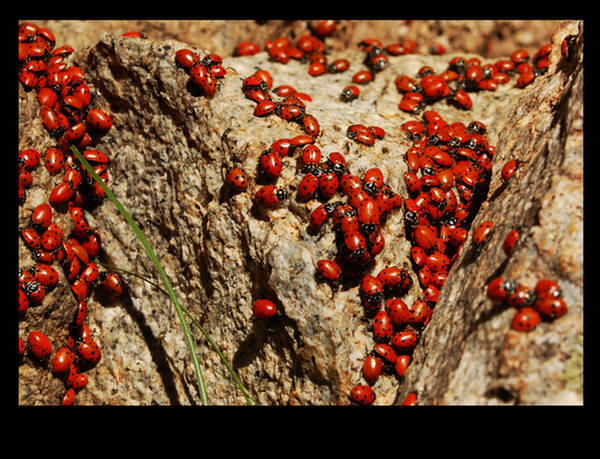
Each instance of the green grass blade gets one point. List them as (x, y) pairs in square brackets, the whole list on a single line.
[(249, 399), (165, 279)]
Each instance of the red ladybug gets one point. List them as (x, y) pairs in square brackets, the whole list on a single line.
[(264, 108), (355, 244), (509, 168), (80, 314), (424, 237), (567, 46), (522, 296), (526, 319), (362, 77), (61, 193), (551, 307), (311, 154), (509, 242), (547, 288), (383, 328), (372, 368), (386, 353), (482, 232), (371, 290), (31, 237), (310, 125), (362, 394), (62, 360), (397, 311), (39, 344), (54, 160), (23, 301), (270, 196), (402, 363), (320, 215), (499, 288), (99, 120), (308, 187), (328, 184), (46, 275), (329, 270), (69, 397), (270, 163), (246, 48), (404, 341), (420, 313), (264, 309), (237, 180), (360, 134), (349, 93), (112, 283), (89, 350), (394, 278), (186, 58), (50, 240)]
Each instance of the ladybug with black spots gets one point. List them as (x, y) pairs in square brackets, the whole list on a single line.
[(270, 196), (237, 179)]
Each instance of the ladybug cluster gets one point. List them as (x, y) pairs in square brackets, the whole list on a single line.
[(463, 76), (204, 73), (68, 113), (309, 48), (543, 302)]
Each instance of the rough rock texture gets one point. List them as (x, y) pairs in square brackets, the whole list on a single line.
[(170, 151)]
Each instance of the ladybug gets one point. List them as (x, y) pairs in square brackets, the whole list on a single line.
[(372, 368), (90, 274), (360, 134), (371, 290), (69, 397), (282, 146), (39, 344), (397, 311), (328, 184), (401, 365), (373, 179), (525, 79), (310, 125), (246, 48), (509, 168), (237, 180), (35, 292), (547, 288), (362, 394), (54, 160), (50, 240), (461, 99), (264, 309), (317, 68), (89, 350), (264, 108), (499, 288), (270, 163), (383, 328), (526, 319), (409, 104), (509, 242), (270, 196), (92, 243), (362, 77), (420, 312), (386, 353), (186, 58), (355, 244), (308, 187), (46, 275), (431, 295), (23, 301), (329, 270), (424, 237), (79, 289), (319, 215), (311, 154), (62, 360), (99, 120), (112, 283), (413, 182), (31, 237), (482, 233), (410, 399), (404, 341), (437, 261), (29, 158), (22, 347), (289, 111), (394, 278), (61, 193), (522, 296), (551, 307), (80, 314), (349, 93)]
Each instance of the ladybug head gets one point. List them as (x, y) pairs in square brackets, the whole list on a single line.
[(282, 194)]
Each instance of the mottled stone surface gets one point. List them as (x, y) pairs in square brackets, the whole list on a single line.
[(170, 150)]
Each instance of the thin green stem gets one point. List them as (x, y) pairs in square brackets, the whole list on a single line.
[(213, 344), (180, 313)]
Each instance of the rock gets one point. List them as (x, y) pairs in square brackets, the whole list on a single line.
[(170, 151)]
